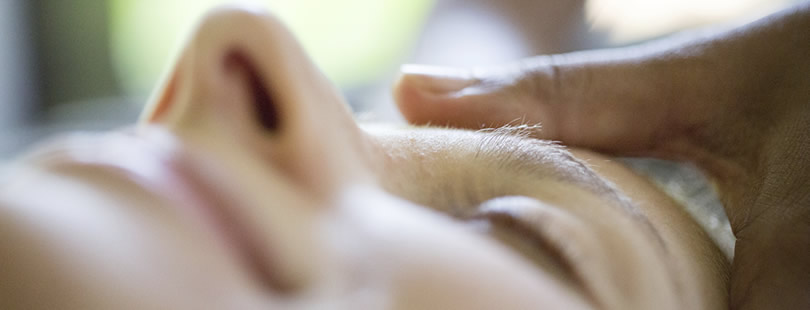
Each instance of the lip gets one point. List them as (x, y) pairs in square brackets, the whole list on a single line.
[(208, 201), (154, 162), (194, 193), (251, 202)]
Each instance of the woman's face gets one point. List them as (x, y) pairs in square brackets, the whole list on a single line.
[(249, 185)]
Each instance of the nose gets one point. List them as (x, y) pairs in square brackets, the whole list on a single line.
[(243, 77), (275, 136)]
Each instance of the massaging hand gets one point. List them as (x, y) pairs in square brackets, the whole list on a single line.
[(737, 104)]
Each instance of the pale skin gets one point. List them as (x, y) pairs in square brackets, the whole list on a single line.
[(735, 103), (248, 185)]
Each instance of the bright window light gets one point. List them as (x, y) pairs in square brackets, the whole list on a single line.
[(353, 41), (633, 20)]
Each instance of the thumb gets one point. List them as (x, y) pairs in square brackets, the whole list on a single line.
[(622, 105), (475, 98)]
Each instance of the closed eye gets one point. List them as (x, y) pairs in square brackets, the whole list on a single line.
[(544, 236)]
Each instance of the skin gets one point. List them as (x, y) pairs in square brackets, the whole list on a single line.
[(734, 103), (248, 184)]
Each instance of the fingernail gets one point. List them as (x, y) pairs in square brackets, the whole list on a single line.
[(438, 79)]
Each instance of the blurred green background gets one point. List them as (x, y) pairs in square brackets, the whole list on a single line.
[(352, 41)]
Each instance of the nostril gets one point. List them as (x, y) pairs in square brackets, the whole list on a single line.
[(263, 104), (264, 107)]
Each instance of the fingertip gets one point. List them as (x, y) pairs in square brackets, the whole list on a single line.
[(423, 93), (438, 80), (412, 102), (420, 103)]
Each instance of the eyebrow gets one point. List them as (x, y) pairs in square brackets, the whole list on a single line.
[(512, 148), (516, 150)]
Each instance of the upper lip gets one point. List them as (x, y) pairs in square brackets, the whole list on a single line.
[(163, 173), (225, 221)]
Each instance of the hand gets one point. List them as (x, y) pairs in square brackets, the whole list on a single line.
[(737, 104)]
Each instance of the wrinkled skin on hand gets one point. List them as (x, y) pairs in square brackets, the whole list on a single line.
[(737, 104)]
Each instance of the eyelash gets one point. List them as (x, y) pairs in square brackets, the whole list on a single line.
[(496, 224)]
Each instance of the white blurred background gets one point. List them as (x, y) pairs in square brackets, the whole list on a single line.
[(90, 64)]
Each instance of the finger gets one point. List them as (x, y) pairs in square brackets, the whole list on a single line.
[(619, 106), (468, 98)]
